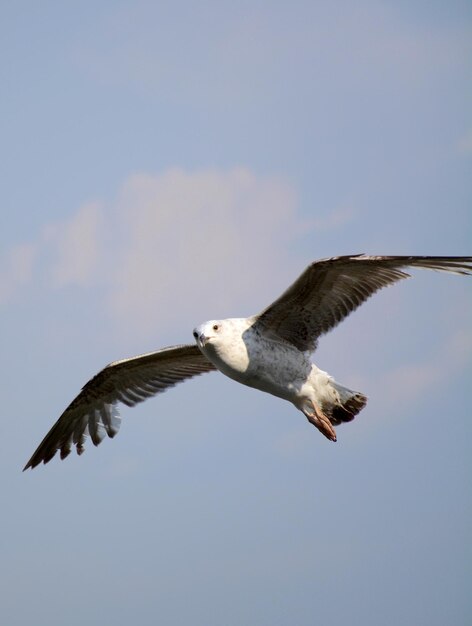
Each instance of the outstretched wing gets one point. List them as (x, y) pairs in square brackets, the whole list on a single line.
[(94, 411), (330, 289)]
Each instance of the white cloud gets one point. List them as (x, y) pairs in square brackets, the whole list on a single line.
[(77, 246), (199, 243)]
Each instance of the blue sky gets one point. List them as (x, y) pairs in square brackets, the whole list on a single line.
[(167, 163)]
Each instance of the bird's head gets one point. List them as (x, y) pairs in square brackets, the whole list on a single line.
[(221, 341), (218, 335), (210, 333)]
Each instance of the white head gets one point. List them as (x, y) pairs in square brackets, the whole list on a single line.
[(210, 332), (222, 342)]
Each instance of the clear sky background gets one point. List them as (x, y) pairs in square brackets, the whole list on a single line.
[(165, 163)]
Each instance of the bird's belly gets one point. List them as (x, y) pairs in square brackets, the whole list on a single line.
[(283, 382)]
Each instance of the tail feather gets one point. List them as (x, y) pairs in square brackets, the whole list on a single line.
[(349, 404)]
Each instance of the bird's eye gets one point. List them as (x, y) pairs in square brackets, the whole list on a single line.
[(195, 334), (215, 327)]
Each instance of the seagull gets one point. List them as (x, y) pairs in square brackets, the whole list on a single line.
[(270, 351)]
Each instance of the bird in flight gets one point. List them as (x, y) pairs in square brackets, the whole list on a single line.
[(269, 351)]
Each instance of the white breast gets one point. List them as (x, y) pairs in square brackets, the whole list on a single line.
[(251, 359)]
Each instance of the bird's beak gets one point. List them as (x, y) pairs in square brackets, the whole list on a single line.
[(200, 337)]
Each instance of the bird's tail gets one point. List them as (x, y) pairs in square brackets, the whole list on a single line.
[(347, 406)]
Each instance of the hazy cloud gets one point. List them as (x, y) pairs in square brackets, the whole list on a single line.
[(172, 247), (406, 383), (16, 268)]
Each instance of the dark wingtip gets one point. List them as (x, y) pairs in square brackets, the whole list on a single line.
[(40, 457), (31, 464)]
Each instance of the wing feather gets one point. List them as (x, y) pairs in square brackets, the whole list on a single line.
[(330, 289), (94, 412)]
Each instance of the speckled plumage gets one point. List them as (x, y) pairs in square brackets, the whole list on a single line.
[(270, 351)]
